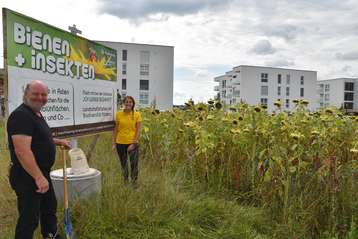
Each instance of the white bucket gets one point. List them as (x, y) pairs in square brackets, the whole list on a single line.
[(79, 163), (78, 186)]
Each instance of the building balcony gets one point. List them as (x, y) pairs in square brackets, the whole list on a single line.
[(236, 81), (216, 88)]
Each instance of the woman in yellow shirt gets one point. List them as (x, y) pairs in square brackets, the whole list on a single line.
[(125, 137)]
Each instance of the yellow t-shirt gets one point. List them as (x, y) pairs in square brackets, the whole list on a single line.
[(126, 126)]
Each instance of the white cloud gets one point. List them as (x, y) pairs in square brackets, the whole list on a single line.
[(263, 47), (349, 56), (141, 9)]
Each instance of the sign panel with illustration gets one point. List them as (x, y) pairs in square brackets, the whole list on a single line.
[(81, 74)]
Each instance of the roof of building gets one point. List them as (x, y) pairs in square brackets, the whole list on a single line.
[(273, 68), (340, 78), (130, 43)]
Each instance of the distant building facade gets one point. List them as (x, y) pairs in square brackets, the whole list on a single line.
[(338, 92), (265, 85), (145, 72)]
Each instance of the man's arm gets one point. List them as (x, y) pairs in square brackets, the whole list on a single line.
[(62, 142), (22, 146)]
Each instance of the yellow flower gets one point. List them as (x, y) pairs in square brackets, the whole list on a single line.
[(246, 130), (201, 107), (210, 117), (305, 102), (218, 105), (278, 103), (257, 109), (146, 129), (225, 119), (200, 118), (233, 109), (235, 131), (304, 121), (189, 124), (296, 135), (329, 111)]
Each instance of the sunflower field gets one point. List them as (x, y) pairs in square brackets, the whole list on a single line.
[(301, 166)]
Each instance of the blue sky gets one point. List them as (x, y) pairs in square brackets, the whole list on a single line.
[(212, 36)]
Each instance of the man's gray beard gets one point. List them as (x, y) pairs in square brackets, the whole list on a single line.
[(34, 108)]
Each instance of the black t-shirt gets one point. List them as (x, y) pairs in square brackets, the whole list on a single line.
[(23, 121)]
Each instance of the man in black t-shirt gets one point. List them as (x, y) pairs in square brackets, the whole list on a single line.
[(32, 151)]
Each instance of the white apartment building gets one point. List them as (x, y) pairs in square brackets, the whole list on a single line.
[(145, 72), (339, 92), (265, 85)]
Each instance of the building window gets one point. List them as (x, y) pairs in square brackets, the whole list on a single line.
[(288, 79), (124, 55), (124, 84), (143, 98), (124, 94), (124, 69), (348, 86), (348, 105), (326, 97), (326, 87), (263, 101), (223, 84), (287, 91), (144, 69), (348, 96), (321, 88), (264, 90), (279, 90), (302, 80), (287, 103), (279, 78), (264, 77), (224, 94), (302, 92), (143, 84), (236, 93)]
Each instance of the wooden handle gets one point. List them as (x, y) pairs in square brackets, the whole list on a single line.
[(65, 195)]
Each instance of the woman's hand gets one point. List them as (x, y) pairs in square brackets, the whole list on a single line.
[(113, 146), (131, 147)]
